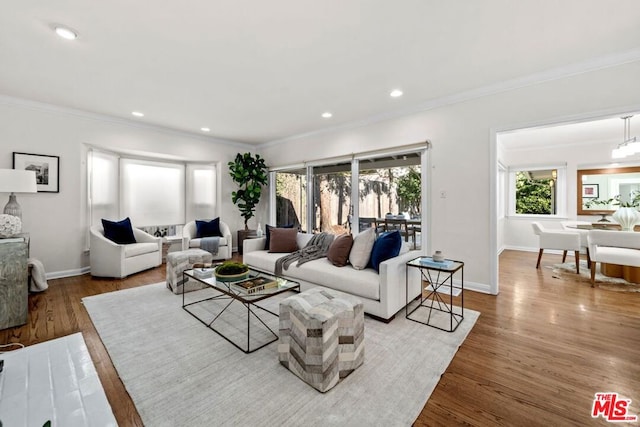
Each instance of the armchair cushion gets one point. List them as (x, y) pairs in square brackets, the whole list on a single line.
[(208, 228), (119, 232), (136, 249)]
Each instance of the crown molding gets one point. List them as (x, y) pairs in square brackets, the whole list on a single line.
[(594, 64), (57, 109)]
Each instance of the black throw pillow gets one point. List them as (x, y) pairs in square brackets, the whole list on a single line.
[(208, 228), (267, 229), (119, 232)]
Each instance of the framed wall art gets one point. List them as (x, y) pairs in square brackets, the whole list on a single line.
[(47, 169), (590, 191)]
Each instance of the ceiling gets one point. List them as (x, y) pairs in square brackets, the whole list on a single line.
[(608, 130), (259, 71)]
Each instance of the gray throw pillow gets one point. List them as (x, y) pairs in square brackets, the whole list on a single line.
[(361, 249)]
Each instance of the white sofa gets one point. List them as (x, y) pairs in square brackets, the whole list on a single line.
[(109, 259), (189, 240), (383, 294)]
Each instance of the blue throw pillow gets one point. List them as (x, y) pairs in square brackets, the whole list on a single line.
[(267, 233), (386, 246), (208, 228), (119, 232)]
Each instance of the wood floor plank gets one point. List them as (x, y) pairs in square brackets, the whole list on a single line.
[(539, 352)]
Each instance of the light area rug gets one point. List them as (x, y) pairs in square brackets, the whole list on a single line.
[(567, 270), (180, 373)]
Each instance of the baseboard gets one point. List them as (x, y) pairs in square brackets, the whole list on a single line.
[(477, 287), (529, 249), (68, 273)]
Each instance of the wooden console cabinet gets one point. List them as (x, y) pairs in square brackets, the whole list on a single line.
[(14, 292)]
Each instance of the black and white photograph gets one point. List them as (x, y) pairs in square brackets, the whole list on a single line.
[(46, 169)]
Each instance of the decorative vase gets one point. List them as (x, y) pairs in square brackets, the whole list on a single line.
[(437, 256), (627, 218), (9, 225)]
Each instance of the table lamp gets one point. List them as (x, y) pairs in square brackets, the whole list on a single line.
[(16, 181)]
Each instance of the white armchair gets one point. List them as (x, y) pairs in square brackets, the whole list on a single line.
[(109, 259), (558, 239), (613, 247), (190, 241)]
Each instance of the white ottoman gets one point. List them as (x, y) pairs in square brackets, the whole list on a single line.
[(178, 262), (321, 336)]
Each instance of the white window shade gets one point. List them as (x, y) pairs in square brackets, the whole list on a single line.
[(103, 186), (152, 193), (201, 191)]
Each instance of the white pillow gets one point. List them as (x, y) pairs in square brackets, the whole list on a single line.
[(361, 249)]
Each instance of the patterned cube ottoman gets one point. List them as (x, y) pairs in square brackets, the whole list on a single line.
[(321, 336), (177, 262)]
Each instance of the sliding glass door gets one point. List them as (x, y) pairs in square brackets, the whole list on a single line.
[(332, 198), (352, 194), (390, 187), (291, 198)]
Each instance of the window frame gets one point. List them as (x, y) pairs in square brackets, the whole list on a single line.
[(187, 167), (560, 185)]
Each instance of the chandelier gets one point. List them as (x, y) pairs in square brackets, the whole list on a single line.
[(629, 146)]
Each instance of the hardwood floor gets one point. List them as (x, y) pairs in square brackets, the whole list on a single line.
[(536, 356)]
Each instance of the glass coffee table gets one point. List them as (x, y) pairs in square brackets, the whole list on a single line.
[(233, 313)]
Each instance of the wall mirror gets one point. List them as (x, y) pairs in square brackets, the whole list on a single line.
[(597, 186)]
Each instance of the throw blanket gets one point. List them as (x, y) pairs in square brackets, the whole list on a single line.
[(210, 244), (38, 282), (316, 248)]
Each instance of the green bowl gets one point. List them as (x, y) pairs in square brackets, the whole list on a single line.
[(231, 277)]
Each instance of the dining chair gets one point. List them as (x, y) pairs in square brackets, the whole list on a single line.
[(402, 226), (559, 240), (582, 228)]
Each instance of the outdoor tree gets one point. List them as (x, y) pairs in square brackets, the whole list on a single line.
[(533, 196), (409, 191), (340, 184)]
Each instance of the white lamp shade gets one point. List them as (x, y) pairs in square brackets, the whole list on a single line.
[(17, 181)]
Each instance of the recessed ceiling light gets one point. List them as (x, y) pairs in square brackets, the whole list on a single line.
[(395, 93), (137, 113), (205, 129), (327, 115), (66, 33)]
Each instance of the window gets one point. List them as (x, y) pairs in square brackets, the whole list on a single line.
[(152, 193), (201, 192), (350, 193), (538, 191), (331, 197), (102, 183), (291, 198), (389, 185)]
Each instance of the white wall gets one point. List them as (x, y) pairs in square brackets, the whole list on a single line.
[(57, 222), (462, 136)]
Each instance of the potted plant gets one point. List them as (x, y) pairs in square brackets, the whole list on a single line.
[(231, 271), (250, 173)]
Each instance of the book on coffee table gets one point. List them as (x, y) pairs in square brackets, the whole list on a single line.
[(255, 284)]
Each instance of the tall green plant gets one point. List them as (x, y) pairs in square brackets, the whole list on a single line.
[(250, 173)]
